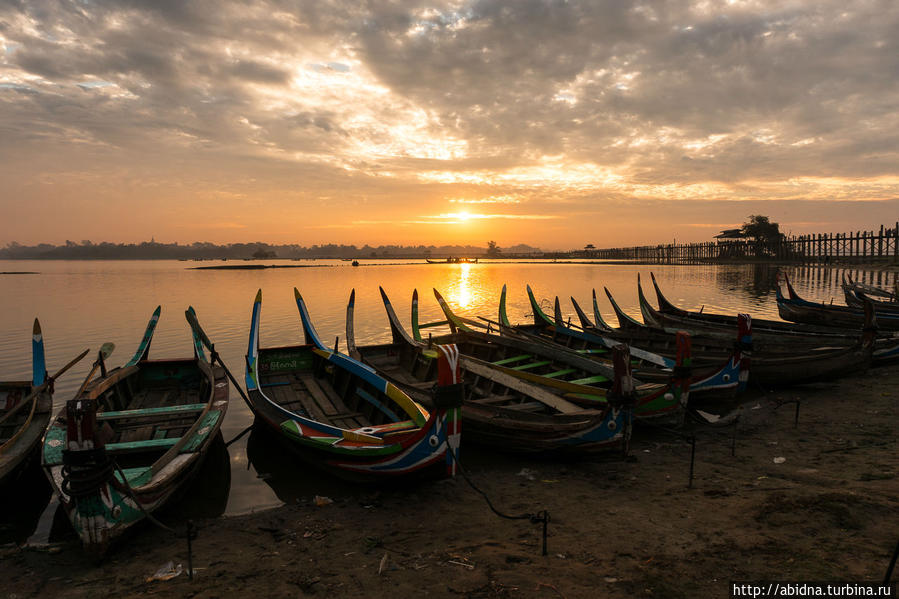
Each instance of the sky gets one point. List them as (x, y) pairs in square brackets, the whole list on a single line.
[(550, 123)]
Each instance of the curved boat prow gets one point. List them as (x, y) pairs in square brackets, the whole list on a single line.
[(413, 316), (557, 313), (143, 349), (454, 321), (585, 321), (540, 318), (253, 348), (350, 327), (38, 362), (503, 316), (790, 291), (199, 354), (309, 331), (624, 321), (646, 309), (396, 328), (597, 315), (664, 305)]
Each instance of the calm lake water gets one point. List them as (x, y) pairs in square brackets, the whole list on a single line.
[(84, 304)]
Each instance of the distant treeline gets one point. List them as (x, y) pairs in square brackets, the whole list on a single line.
[(152, 250)]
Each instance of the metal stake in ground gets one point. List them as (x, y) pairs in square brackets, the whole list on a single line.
[(191, 535), (692, 459)]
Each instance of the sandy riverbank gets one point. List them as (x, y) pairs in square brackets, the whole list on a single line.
[(618, 528)]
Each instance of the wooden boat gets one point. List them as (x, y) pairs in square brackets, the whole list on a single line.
[(721, 377), (574, 376), (130, 439), (452, 260), (856, 294), (871, 290), (856, 299), (796, 309), (338, 413), (790, 362), (668, 315), (499, 410), (25, 412), (768, 335)]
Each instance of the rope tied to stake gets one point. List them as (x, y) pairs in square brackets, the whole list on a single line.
[(449, 382)]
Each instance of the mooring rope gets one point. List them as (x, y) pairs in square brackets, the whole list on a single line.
[(541, 517)]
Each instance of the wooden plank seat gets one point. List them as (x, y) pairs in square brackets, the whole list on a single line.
[(527, 406), (321, 397), (512, 360), (597, 378), (557, 373), (150, 412), (491, 399), (149, 444), (532, 365)]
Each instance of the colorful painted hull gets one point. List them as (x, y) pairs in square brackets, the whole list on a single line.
[(159, 417), (515, 415), (575, 376), (721, 378), (371, 431), (21, 426)]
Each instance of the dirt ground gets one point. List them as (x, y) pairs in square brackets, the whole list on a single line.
[(812, 503)]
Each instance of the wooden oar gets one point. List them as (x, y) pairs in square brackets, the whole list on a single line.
[(40, 388), (105, 351)]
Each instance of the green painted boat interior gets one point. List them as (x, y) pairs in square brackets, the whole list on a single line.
[(145, 414)]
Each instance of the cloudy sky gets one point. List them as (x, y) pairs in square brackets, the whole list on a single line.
[(544, 122)]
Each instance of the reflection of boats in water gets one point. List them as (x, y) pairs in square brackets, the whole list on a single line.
[(206, 496), (453, 260), (283, 471), (21, 506)]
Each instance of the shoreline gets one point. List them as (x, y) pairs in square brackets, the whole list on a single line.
[(618, 528)]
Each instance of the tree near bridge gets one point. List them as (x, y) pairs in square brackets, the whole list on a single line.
[(766, 234)]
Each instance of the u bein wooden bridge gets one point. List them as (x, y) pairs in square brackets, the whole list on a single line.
[(824, 248)]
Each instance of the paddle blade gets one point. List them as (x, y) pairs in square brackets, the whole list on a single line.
[(106, 349)]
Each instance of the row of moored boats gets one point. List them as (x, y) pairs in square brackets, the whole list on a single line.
[(132, 435)]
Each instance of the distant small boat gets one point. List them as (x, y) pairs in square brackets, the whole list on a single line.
[(452, 260), (355, 263)]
